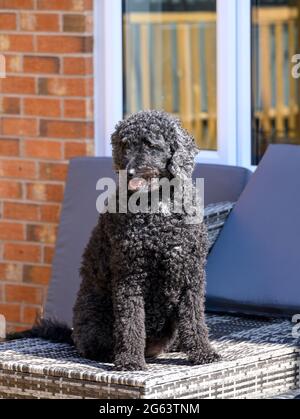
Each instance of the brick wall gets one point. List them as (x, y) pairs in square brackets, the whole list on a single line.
[(46, 111)]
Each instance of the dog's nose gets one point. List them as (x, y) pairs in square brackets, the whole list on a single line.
[(131, 172)]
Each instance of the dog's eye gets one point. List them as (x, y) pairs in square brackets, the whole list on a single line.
[(148, 142)]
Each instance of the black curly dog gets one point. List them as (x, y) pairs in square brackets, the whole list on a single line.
[(143, 274)]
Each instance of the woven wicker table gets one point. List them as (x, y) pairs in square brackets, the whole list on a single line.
[(260, 359), (293, 394)]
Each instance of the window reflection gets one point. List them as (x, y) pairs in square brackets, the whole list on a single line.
[(170, 62)]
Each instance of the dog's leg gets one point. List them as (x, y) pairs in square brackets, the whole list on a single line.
[(193, 333), (185, 265), (93, 324), (129, 329)]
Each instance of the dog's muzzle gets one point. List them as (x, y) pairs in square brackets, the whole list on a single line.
[(137, 184), (142, 180)]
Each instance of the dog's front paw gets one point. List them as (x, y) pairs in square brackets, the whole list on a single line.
[(128, 364), (204, 357)]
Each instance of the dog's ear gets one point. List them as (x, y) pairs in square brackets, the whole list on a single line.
[(117, 152), (184, 151)]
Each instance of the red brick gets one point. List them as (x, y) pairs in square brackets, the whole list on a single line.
[(11, 231), (75, 108), (64, 87), (50, 213), (10, 105), (17, 169), (30, 314), (11, 312), (24, 294), (78, 108), (89, 24), (39, 275), (45, 234), (43, 149), (36, 22), (17, 43), (64, 44), (10, 190), (19, 126), (14, 64), (77, 150), (53, 171), (90, 87), (8, 21), (11, 272), (66, 129), (42, 107), (22, 252), (9, 147), (35, 64), (78, 65), (16, 4), (20, 59), (12, 327), (21, 85), (74, 23), (21, 211), (48, 254), (44, 192), (70, 5)]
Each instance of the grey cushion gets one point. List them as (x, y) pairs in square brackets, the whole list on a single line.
[(222, 183), (255, 265), (79, 216)]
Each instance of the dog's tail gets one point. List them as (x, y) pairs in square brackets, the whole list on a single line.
[(46, 329)]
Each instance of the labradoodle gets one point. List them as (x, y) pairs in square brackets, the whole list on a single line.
[(143, 274)]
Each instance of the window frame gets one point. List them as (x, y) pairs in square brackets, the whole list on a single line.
[(108, 69), (233, 80)]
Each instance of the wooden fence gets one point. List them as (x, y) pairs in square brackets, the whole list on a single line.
[(274, 89), (170, 64)]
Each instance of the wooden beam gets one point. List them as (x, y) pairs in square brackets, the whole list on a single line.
[(176, 17)]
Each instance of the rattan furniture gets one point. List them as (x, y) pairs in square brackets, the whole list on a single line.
[(260, 360)]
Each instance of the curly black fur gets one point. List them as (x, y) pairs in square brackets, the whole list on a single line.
[(143, 275)]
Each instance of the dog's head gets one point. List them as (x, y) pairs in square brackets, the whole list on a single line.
[(153, 144)]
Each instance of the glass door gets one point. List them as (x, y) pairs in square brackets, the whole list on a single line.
[(189, 57), (275, 94), (170, 62)]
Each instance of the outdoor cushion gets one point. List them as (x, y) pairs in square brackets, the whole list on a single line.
[(222, 183), (254, 266), (79, 216), (260, 360)]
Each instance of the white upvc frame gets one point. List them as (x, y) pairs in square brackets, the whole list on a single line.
[(226, 82), (244, 99), (233, 75), (234, 83), (108, 85)]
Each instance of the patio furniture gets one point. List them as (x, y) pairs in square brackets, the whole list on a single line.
[(260, 360), (260, 356), (79, 216), (254, 266)]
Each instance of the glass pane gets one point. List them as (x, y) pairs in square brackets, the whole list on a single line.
[(275, 40), (170, 62)]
